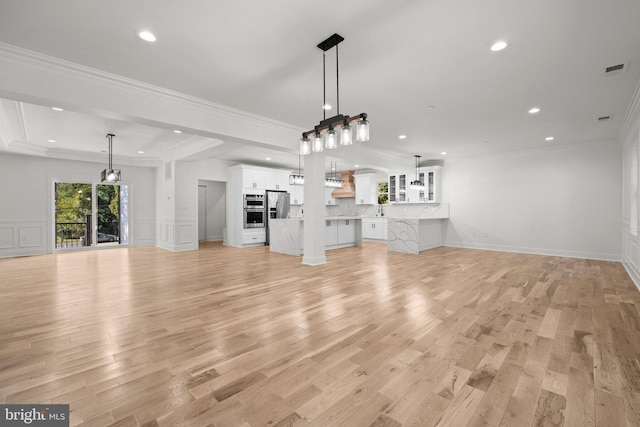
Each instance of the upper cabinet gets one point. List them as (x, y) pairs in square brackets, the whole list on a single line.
[(297, 194), (432, 184), (431, 177), (257, 178), (329, 200), (278, 180), (366, 189), (397, 188), (254, 178)]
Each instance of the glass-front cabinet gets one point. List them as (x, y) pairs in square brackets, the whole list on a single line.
[(430, 176)]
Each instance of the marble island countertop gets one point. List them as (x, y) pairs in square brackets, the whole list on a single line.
[(337, 217), (331, 218)]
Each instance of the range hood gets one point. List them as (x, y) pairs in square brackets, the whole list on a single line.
[(348, 186)]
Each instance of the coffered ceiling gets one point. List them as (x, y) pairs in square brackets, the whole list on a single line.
[(419, 68)]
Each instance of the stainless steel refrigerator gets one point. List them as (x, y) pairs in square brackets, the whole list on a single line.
[(277, 207)]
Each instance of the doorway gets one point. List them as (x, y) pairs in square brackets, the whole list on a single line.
[(212, 215)]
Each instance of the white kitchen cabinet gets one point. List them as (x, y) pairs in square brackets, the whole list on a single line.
[(278, 180), (340, 233), (253, 237), (374, 229), (346, 231), (331, 233), (397, 188), (329, 200), (433, 184), (431, 177), (297, 194), (254, 179), (366, 189)]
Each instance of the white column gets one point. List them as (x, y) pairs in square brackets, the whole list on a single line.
[(314, 210)]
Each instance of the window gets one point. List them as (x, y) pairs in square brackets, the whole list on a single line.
[(383, 193)]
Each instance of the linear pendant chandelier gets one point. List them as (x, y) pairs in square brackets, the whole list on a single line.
[(110, 175), (324, 133)]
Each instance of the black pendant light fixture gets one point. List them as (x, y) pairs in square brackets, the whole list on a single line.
[(333, 181), (324, 133), (417, 184), (109, 174), (299, 178)]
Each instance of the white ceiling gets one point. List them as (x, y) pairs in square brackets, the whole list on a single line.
[(397, 60)]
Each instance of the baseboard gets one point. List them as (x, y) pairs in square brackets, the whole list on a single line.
[(538, 251), (632, 272), (312, 261)]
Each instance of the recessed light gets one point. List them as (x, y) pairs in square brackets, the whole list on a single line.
[(268, 158), (443, 153), (431, 107), (51, 140), (549, 138), (357, 166), (326, 107), (57, 109), (147, 36), (177, 131), (499, 45), (140, 152), (534, 110), (402, 137)]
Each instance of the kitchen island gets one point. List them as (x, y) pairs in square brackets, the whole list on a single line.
[(413, 235), (286, 235)]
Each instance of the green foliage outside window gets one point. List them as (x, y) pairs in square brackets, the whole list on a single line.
[(383, 193)]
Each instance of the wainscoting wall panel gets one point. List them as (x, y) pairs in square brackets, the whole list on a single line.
[(21, 238)]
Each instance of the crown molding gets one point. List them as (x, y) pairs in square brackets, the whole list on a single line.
[(632, 115), (37, 59), (5, 131)]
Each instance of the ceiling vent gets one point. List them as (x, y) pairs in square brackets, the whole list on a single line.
[(613, 70), (604, 118)]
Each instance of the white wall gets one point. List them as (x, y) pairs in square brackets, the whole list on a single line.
[(216, 208), (187, 174), (631, 192), (26, 201), (560, 201)]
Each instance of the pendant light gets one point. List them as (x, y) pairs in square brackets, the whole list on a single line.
[(305, 145), (362, 130), (333, 181), (324, 133), (345, 134), (109, 174), (417, 184), (297, 179), (316, 143), (330, 140)]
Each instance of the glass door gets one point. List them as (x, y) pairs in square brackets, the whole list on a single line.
[(108, 215), (73, 217), (81, 223)]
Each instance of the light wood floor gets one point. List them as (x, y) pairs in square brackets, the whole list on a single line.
[(242, 337)]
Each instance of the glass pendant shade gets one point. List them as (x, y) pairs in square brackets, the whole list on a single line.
[(331, 142), (345, 135), (317, 146), (362, 130), (305, 146)]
